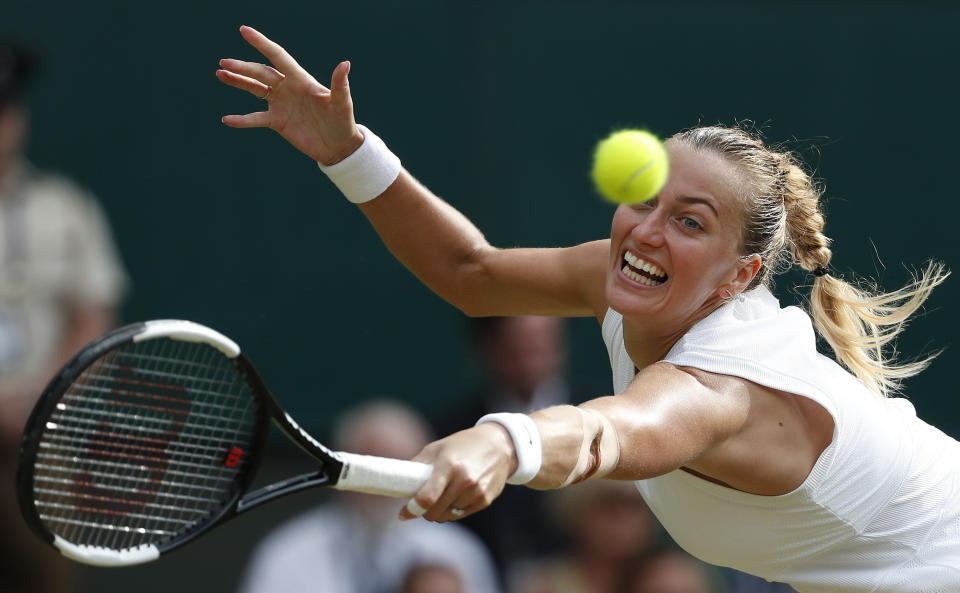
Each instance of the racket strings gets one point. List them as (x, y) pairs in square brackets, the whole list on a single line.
[(142, 445), (146, 434)]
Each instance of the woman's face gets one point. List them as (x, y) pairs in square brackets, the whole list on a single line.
[(676, 256)]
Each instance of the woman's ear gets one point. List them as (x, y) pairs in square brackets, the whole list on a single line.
[(747, 269)]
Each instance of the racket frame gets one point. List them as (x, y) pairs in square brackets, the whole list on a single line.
[(340, 470), (267, 409)]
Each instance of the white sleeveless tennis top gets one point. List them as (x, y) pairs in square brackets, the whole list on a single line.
[(880, 511)]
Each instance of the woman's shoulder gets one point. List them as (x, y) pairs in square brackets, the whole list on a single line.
[(752, 324), (757, 306), (756, 339)]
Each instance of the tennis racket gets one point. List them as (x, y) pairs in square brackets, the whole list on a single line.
[(151, 435)]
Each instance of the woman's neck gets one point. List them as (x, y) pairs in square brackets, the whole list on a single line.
[(648, 340)]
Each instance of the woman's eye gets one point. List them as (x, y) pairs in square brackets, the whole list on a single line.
[(690, 223)]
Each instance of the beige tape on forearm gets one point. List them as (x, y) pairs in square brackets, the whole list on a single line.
[(578, 444)]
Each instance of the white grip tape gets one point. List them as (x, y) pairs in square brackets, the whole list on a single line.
[(366, 173), (526, 441), (381, 475)]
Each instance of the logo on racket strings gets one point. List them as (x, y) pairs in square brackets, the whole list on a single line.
[(234, 456), (125, 464)]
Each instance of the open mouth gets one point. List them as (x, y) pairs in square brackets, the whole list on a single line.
[(641, 271)]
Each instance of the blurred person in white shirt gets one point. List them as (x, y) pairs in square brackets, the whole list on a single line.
[(354, 544), (61, 282)]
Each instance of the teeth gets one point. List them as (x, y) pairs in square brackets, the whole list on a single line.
[(638, 278), (642, 264)]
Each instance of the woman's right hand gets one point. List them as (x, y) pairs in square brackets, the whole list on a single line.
[(318, 121), (470, 469)]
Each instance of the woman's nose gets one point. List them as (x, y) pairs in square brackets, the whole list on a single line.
[(649, 229)]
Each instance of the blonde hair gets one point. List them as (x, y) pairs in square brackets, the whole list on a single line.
[(784, 225)]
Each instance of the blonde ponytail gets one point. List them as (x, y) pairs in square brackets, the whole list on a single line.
[(784, 225), (860, 325)]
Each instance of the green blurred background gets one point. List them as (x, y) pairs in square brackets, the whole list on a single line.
[(495, 106)]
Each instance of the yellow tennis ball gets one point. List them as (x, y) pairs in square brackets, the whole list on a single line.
[(630, 166)]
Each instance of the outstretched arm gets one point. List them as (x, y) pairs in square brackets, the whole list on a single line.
[(430, 237), (448, 254), (668, 418)]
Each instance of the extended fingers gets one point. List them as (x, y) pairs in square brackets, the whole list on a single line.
[(254, 87), (272, 51), (340, 84), (259, 119), (253, 70)]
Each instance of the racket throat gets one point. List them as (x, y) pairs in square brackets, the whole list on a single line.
[(281, 489)]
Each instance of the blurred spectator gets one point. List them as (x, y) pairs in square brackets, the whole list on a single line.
[(432, 578), (523, 360), (60, 277), (612, 530), (60, 284), (355, 544), (670, 571)]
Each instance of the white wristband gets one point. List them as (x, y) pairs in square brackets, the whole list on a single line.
[(526, 441), (366, 173)]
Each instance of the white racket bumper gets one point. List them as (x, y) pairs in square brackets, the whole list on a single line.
[(105, 557), (189, 332), (380, 475)]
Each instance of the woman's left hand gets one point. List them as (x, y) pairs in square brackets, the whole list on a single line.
[(317, 120), (470, 469)]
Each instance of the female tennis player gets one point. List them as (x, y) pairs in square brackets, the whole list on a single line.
[(753, 450)]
